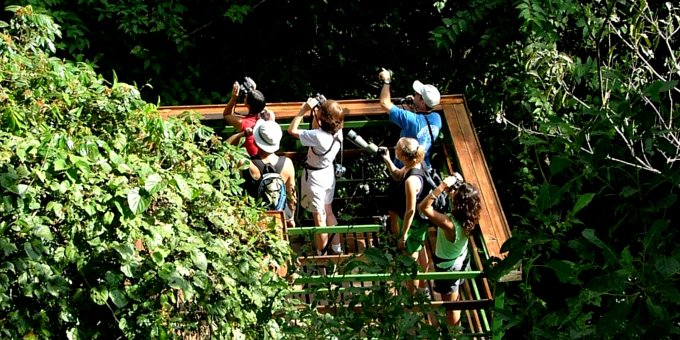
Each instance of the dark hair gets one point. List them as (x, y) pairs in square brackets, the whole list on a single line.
[(467, 206), (256, 102), (331, 116)]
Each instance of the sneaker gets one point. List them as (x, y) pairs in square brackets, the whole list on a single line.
[(426, 291), (337, 248)]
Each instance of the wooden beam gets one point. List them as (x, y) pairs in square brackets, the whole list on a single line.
[(288, 110), (494, 225)]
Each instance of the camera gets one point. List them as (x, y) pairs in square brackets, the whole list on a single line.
[(339, 170), (408, 100), (246, 86), (360, 142), (458, 182), (320, 99)]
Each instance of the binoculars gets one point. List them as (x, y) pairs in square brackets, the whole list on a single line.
[(360, 142)]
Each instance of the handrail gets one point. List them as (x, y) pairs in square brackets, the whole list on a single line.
[(357, 107), (338, 229), (375, 277)]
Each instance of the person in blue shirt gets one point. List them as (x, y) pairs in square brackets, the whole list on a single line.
[(420, 123), (414, 123)]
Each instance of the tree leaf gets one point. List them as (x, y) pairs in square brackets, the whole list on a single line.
[(136, 202), (99, 295), (609, 255), (199, 259), (43, 232), (581, 202), (565, 271), (667, 266), (153, 183), (118, 297)]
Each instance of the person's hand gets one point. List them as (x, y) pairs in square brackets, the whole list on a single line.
[(451, 181), (384, 153), (311, 103), (290, 223), (234, 90), (385, 75), (248, 132), (401, 243)]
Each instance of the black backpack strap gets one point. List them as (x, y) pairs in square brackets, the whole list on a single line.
[(279, 164), (266, 168), (259, 164), (327, 151), (425, 175)]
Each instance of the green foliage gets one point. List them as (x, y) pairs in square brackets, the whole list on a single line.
[(115, 222), (589, 90), (377, 311)]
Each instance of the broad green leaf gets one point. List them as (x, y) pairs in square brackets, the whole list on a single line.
[(118, 297), (183, 187), (199, 259), (667, 266), (127, 270), (153, 183), (28, 248), (60, 164), (655, 233), (136, 202), (656, 312), (581, 202), (99, 295), (43, 232), (565, 271), (610, 257)]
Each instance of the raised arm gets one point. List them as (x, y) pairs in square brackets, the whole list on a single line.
[(385, 97), (293, 129), (395, 172), (228, 113), (425, 206), (236, 138)]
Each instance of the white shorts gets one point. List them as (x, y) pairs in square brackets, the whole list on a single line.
[(317, 189)]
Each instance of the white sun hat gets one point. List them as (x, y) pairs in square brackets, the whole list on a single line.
[(429, 93), (267, 134)]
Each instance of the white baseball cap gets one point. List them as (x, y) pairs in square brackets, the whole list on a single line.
[(429, 93), (267, 134)]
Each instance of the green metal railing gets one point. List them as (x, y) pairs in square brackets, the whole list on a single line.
[(338, 229)]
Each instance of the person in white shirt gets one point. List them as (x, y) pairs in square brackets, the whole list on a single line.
[(317, 186)]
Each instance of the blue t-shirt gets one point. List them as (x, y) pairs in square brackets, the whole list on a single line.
[(414, 125)]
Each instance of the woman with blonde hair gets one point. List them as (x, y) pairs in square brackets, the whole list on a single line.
[(409, 191), (317, 186), (452, 235)]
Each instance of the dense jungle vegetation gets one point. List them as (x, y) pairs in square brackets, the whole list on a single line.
[(575, 103)]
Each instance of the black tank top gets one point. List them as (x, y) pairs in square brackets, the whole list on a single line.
[(400, 204)]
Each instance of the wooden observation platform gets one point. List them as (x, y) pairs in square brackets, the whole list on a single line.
[(457, 150)]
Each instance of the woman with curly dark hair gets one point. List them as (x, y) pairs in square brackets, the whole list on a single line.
[(452, 234)]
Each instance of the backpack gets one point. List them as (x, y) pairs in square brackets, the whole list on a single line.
[(431, 180), (271, 187), (441, 203)]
